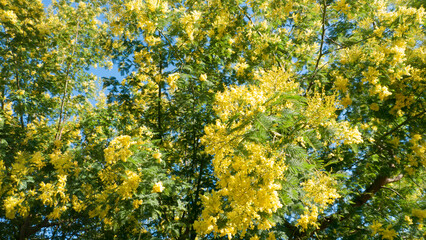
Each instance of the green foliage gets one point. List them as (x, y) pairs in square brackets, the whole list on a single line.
[(317, 108)]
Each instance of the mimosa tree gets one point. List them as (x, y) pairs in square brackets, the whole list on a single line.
[(265, 119)]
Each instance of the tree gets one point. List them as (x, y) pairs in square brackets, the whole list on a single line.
[(263, 119)]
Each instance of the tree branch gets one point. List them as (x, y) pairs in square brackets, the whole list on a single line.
[(64, 95), (378, 183), (400, 125), (321, 46)]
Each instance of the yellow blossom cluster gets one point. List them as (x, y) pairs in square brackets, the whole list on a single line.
[(419, 213), (320, 111), (247, 172), (387, 233), (391, 72), (172, 81), (129, 185), (319, 193), (417, 158), (189, 21), (50, 194), (77, 204), (119, 149), (158, 187), (10, 205), (61, 161)]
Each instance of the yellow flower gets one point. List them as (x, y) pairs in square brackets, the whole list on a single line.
[(341, 83), (203, 77), (158, 187), (342, 6), (137, 203), (9, 205), (374, 107), (388, 233), (409, 220), (157, 156), (240, 67), (171, 80), (419, 213), (271, 236), (376, 227), (346, 101)]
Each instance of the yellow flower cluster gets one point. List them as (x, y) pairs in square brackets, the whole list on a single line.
[(387, 233), (320, 111), (320, 193), (77, 204), (240, 67), (8, 16), (419, 213), (417, 158), (20, 168), (129, 185), (247, 172), (10, 204), (61, 161), (118, 149), (189, 21), (48, 193), (172, 81), (158, 187), (37, 160)]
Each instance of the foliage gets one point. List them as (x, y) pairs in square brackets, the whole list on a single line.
[(259, 119)]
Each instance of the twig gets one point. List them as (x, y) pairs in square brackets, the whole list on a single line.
[(393, 190), (64, 95), (321, 46), (400, 125), (170, 45)]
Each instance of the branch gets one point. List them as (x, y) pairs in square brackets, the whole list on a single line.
[(20, 104), (400, 125), (27, 231), (171, 46), (321, 46), (393, 190), (160, 132), (378, 183), (63, 99)]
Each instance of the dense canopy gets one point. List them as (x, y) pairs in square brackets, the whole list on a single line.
[(256, 119)]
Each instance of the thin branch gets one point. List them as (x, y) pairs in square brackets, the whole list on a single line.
[(378, 183), (321, 46), (340, 45), (400, 125), (20, 104), (345, 46), (64, 95), (394, 179), (409, 177), (261, 35), (393, 190), (171, 46), (160, 133)]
